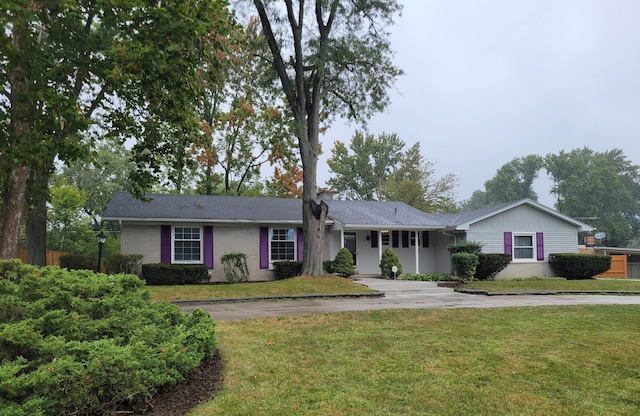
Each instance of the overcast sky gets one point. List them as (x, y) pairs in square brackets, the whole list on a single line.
[(490, 80)]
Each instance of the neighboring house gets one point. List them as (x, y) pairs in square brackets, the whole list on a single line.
[(200, 229)]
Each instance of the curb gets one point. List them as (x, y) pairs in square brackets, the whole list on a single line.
[(548, 292), (376, 294)]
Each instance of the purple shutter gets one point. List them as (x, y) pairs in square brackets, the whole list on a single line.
[(394, 238), (540, 246), (425, 239), (374, 239), (405, 239), (300, 243), (508, 243), (264, 247), (207, 245), (165, 244)]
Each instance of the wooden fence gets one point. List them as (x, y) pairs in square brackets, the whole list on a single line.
[(53, 257), (618, 267)]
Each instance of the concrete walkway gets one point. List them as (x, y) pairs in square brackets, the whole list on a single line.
[(399, 294)]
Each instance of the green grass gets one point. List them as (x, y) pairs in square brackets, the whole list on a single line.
[(572, 360), (293, 286), (557, 284)]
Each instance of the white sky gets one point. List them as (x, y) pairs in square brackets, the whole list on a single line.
[(490, 80)]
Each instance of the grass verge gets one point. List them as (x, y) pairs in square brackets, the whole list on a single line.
[(615, 285), (294, 286), (528, 361)]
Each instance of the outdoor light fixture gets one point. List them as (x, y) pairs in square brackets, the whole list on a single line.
[(102, 237)]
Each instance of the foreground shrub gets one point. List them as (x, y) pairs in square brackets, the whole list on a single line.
[(79, 343), (124, 264), (390, 259), (327, 266), (78, 262), (235, 267), (174, 274), (490, 264), (343, 263), (574, 266), (287, 269), (464, 265)]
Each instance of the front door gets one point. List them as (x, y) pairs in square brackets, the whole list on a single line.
[(350, 244)]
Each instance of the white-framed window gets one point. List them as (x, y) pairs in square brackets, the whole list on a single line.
[(524, 246), (187, 245), (282, 244), (385, 237), (415, 238)]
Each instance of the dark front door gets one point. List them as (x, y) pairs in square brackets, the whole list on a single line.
[(350, 244)]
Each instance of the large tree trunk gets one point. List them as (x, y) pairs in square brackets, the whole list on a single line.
[(36, 231), (14, 197)]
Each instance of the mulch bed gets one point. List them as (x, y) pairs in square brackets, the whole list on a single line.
[(200, 386)]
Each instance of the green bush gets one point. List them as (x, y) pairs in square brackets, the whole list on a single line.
[(343, 263), (430, 277), (79, 343), (464, 265), (327, 266), (235, 267), (287, 269), (465, 247), (124, 263), (390, 259), (156, 274), (574, 266), (490, 264), (78, 262)]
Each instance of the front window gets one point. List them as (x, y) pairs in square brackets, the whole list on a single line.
[(282, 244), (415, 238), (524, 247), (187, 245), (385, 237)]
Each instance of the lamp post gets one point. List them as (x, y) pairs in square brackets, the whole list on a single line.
[(102, 237)]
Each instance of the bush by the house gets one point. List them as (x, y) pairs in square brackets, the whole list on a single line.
[(464, 265), (343, 263), (157, 274), (79, 343), (490, 264), (430, 277), (124, 263), (235, 267), (465, 247), (574, 266), (287, 269), (78, 262), (327, 266), (390, 259)]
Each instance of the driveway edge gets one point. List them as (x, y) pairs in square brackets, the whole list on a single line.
[(376, 294)]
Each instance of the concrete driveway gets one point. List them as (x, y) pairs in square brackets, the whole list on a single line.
[(399, 294)]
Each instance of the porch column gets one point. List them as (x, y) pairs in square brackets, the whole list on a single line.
[(379, 245), (341, 238), (416, 251)]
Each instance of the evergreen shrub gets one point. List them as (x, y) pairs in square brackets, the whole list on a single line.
[(156, 274), (343, 263), (287, 269), (390, 259), (327, 266), (124, 263), (490, 264), (73, 342), (78, 262), (235, 267), (466, 247), (464, 265), (575, 266)]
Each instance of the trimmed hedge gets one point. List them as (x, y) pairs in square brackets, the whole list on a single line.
[(79, 343), (124, 263), (575, 266), (466, 247), (287, 269), (490, 264), (390, 259), (156, 274), (343, 263), (464, 265), (78, 262)]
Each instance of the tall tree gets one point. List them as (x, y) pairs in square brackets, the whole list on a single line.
[(601, 188), (135, 67), (361, 172), (331, 57), (514, 180), (415, 183)]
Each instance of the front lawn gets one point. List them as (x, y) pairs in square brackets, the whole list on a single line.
[(566, 360), (615, 285), (285, 287)]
